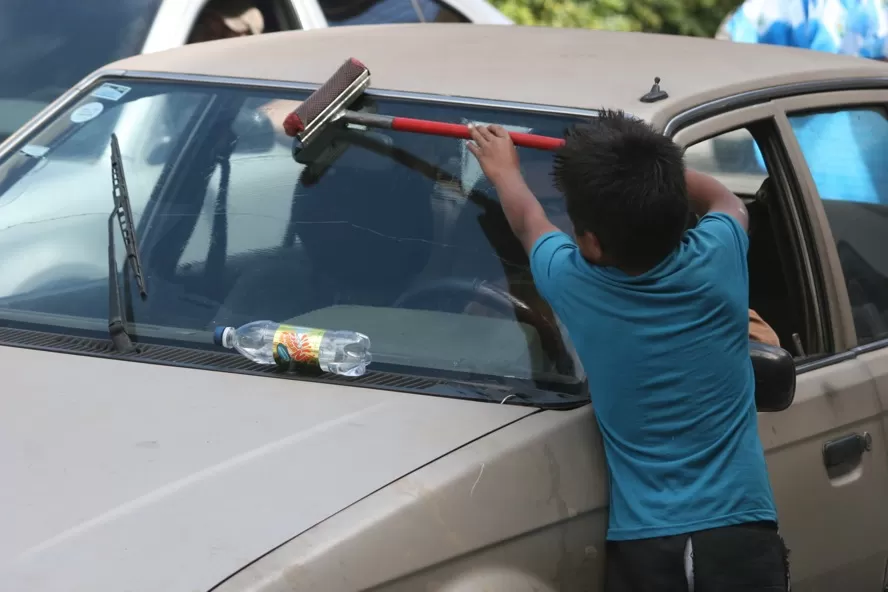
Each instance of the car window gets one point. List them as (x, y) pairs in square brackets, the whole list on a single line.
[(735, 159), (392, 234), (373, 12), (49, 45), (847, 153), (54, 204)]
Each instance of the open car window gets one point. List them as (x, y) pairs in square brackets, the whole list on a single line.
[(396, 235), (749, 161), (733, 158)]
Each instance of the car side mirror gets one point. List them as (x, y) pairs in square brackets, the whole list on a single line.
[(775, 376)]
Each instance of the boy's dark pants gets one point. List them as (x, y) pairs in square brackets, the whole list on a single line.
[(743, 558)]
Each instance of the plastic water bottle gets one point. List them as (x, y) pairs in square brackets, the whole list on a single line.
[(346, 353)]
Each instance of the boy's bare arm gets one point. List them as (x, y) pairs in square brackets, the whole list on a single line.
[(707, 196), (499, 160), (522, 209), (761, 331)]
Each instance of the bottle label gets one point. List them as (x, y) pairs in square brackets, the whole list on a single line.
[(297, 347)]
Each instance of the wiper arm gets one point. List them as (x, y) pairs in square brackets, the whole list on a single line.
[(512, 391), (117, 325)]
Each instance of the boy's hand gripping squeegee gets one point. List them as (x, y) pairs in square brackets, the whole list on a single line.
[(331, 101)]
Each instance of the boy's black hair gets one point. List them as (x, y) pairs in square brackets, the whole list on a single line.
[(624, 183)]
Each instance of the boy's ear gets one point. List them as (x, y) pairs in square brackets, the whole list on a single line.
[(590, 247)]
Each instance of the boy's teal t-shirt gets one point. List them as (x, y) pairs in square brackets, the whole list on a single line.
[(667, 356)]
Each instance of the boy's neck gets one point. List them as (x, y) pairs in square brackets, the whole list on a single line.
[(605, 262), (633, 272)]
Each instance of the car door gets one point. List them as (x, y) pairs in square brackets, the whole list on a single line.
[(832, 517), (842, 140)]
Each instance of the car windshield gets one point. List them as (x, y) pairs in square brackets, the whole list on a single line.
[(396, 235), (48, 45)]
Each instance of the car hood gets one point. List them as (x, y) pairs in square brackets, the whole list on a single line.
[(121, 476)]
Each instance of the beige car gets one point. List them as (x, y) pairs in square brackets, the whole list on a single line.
[(468, 457)]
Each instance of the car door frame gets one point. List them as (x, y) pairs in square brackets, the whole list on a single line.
[(309, 14), (874, 354), (822, 231), (834, 545)]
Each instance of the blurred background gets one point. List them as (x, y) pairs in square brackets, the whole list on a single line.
[(678, 17), (48, 45)]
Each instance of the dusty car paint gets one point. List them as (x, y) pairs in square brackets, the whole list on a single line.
[(461, 524), (198, 477)]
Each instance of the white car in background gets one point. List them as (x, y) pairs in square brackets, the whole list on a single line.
[(48, 45)]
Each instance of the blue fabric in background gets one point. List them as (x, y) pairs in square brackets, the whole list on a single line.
[(852, 27), (847, 151)]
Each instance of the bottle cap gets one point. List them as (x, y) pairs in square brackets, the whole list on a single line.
[(219, 335)]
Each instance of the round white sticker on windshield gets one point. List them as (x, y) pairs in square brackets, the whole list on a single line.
[(86, 112)]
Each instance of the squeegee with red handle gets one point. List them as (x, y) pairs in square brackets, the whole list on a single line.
[(330, 103)]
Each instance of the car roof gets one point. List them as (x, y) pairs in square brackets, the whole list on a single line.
[(561, 67)]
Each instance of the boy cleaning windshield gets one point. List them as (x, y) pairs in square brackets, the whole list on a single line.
[(659, 318)]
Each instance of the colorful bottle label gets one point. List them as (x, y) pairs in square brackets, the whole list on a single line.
[(297, 346)]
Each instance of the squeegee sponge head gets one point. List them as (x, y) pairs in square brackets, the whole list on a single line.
[(321, 99)]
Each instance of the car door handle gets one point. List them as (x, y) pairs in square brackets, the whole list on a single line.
[(846, 450)]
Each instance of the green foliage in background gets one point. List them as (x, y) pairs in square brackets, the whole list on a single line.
[(679, 17)]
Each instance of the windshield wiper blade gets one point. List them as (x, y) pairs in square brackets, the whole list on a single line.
[(117, 325), (513, 392)]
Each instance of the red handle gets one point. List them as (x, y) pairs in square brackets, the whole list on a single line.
[(455, 130)]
